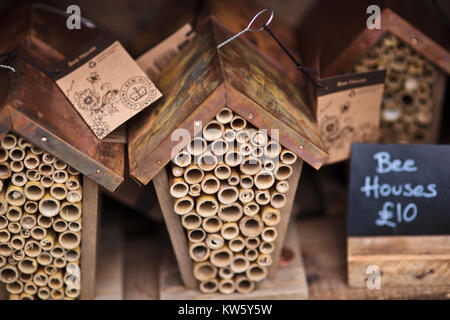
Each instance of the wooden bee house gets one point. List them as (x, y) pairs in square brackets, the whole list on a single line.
[(224, 149), (50, 169), (416, 65)]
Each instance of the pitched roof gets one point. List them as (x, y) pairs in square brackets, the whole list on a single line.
[(200, 81)]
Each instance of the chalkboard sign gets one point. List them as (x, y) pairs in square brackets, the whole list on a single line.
[(399, 190)]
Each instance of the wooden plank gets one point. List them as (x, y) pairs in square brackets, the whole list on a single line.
[(324, 253), (3, 293), (403, 261), (175, 229), (285, 216), (89, 238), (289, 282), (437, 96)]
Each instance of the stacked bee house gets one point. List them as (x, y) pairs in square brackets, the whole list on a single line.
[(51, 166), (224, 150)]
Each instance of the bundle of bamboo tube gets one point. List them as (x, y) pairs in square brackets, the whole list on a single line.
[(40, 223), (407, 109), (228, 187)]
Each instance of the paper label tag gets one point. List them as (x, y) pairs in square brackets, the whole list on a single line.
[(106, 86), (159, 56), (349, 111)]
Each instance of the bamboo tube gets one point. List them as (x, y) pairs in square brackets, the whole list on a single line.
[(207, 206), (16, 154), (246, 181), (72, 171), (222, 171), (70, 211), (46, 169), (47, 182), (196, 235), (40, 278), (25, 296), (243, 137), (191, 221), (60, 176), (204, 271), (224, 116), (266, 247), (227, 286), (17, 242), (55, 281), (48, 158), (283, 171), (27, 265), (251, 254), (259, 138), (25, 233), (230, 230), (193, 174), (197, 146), (179, 188), (2, 261), (3, 203), (256, 272), (69, 240), (34, 190), (19, 179), (264, 180), (74, 196), (59, 263), (212, 224), (238, 123), (44, 222), (28, 221), (33, 175), (72, 292), (288, 157), (257, 152), (15, 196), (57, 294), (233, 158), (277, 200), (72, 269), (226, 273), (229, 135), (209, 286), (14, 214), (50, 269), (194, 190), (38, 233), (12, 261), (270, 216), (282, 186), (72, 255), (43, 293), (237, 244), (57, 251), (246, 195), (252, 242), (75, 226), (244, 285), (272, 149), (16, 166), (15, 287), (9, 141), (5, 235), (49, 240), (230, 212), (251, 208), (44, 258), (262, 197), (31, 160), (182, 159), (30, 288), (239, 263), (269, 234), (199, 251), (14, 227), (3, 155), (1, 185), (49, 206), (35, 150), (214, 241), (251, 226), (213, 130), (18, 255), (251, 166), (228, 194), (219, 147), (268, 165), (9, 274), (233, 179), (177, 171), (32, 248), (22, 143), (3, 222), (207, 161), (210, 184), (264, 260), (221, 257), (59, 164)]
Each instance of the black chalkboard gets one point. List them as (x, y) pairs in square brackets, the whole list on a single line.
[(413, 193)]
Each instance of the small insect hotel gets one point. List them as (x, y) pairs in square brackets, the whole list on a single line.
[(224, 148), (51, 165)]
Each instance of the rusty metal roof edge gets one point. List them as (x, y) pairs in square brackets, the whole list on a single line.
[(49, 142)]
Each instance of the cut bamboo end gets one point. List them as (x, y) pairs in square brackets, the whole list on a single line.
[(59, 164), (58, 191), (209, 286), (229, 135), (44, 259), (210, 184), (264, 260), (18, 255), (207, 162), (270, 216), (30, 288), (47, 182), (16, 166), (257, 152), (72, 255), (221, 257), (227, 286), (282, 186), (233, 158), (269, 234), (262, 197), (15, 287), (252, 242), (251, 226), (15, 196), (243, 137), (226, 273), (55, 281), (75, 226), (28, 221), (244, 285), (5, 235), (3, 155), (224, 116), (38, 233), (17, 242), (238, 123), (256, 272), (40, 278), (9, 141), (222, 171), (219, 147), (14, 227), (48, 241), (196, 235), (251, 166), (251, 208), (46, 169), (239, 264), (230, 230), (57, 294), (177, 171), (283, 171), (193, 174), (3, 222), (60, 176), (32, 248), (288, 157), (259, 139), (230, 212), (2, 261), (72, 292), (278, 200), (31, 160), (34, 190), (266, 247), (195, 189), (214, 241), (237, 244), (33, 175), (251, 254), (70, 211), (246, 195), (73, 171), (5, 249), (213, 130), (25, 233), (272, 149), (48, 158), (74, 196), (57, 251), (212, 224), (233, 179), (191, 221), (246, 181), (14, 214), (44, 293), (207, 206), (199, 251), (197, 146), (45, 222), (49, 206), (69, 240), (27, 265), (19, 179), (204, 271), (16, 154), (183, 205), (268, 165), (228, 194), (264, 180), (182, 159)]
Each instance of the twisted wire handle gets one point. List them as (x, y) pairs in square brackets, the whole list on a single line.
[(232, 38)]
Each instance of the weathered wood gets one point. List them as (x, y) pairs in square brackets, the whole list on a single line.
[(286, 220), (437, 98), (175, 229), (289, 283), (403, 260), (90, 218)]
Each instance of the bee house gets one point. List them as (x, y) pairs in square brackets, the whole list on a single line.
[(224, 149), (51, 166), (416, 66)]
